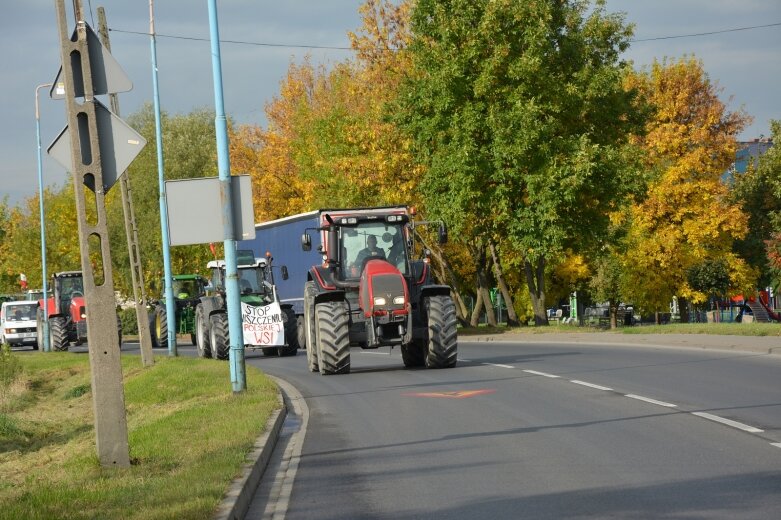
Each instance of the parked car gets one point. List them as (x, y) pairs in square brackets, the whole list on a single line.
[(17, 323)]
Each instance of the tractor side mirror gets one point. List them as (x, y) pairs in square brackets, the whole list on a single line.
[(306, 242), (442, 233), (284, 272)]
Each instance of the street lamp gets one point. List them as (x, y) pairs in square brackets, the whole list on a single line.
[(46, 344)]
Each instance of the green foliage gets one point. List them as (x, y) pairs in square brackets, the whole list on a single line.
[(189, 152), (9, 366), (519, 113), (758, 191), (710, 277), (129, 321)]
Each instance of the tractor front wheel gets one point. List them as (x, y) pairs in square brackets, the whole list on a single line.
[(160, 328), (218, 335), (332, 320), (442, 334), (309, 327), (58, 336)]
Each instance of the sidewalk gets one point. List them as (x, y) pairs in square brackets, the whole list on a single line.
[(758, 344)]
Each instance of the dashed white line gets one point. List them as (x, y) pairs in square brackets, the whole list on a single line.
[(652, 401), (776, 444), (465, 360), (728, 422), (543, 374), (498, 365), (590, 385)]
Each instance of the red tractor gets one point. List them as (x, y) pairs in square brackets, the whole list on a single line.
[(67, 312), (369, 292)]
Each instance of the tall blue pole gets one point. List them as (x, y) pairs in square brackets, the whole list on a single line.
[(46, 345), (236, 354), (170, 305)]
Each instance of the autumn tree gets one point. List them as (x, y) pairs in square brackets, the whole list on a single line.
[(685, 217), (518, 112)]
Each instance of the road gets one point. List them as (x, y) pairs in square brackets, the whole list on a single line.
[(548, 430), (500, 437)]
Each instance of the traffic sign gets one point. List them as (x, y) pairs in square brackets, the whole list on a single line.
[(119, 145), (107, 75)]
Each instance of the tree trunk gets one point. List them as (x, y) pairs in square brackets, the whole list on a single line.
[(447, 275), (613, 314), (482, 283), (683, 310), (475, 319), (535, 280), (512, 318)]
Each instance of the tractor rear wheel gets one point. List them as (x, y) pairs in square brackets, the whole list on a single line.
[(58, 336), (202, 344), (332, 321), (218, 335), (309, 327), (442, 335), (291, 333)]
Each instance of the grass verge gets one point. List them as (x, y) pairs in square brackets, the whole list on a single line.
[(733, 329), (188, 434)]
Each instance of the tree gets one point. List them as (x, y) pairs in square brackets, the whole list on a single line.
[(758, 191), (189, 151), (710, 278), (685, 217), (605, 284), (519, 114)]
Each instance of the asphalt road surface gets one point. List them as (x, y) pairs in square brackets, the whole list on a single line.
[(537, 430), (541, 431)]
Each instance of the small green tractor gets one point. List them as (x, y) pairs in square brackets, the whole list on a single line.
[(188, 290)]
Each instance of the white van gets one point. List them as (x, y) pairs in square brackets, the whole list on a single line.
[(17, 323)]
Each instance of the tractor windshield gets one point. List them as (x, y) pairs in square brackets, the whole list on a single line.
[(251, 280), (72, 286), (373, 240), (186, 289)]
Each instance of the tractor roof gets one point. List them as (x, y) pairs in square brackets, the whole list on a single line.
[(214, 264)]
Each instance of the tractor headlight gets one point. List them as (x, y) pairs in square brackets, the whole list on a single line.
[(380, 301), (398, 300)]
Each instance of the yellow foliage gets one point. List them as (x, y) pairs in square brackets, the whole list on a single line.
[(686, 216)]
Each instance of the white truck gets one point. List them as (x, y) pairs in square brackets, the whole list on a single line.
[(17, 323)]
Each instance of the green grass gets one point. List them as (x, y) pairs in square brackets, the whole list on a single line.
[(188, 433), (736, 329)]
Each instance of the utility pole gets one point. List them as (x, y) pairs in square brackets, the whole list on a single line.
[(233, 302), (87, 161), (131, 229), (170, 305)]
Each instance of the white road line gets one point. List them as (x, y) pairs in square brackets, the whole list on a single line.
[(465, 360), (776, 444), (652, 401), (497, 365), (543, 374), (728, 422), (590, 385)]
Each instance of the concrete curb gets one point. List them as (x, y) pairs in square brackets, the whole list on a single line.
[(754, 344), (237, 499)]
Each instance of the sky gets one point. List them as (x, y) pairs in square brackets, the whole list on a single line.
[(745, 64)]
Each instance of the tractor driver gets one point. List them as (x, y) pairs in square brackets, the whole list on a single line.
[(370, 251)]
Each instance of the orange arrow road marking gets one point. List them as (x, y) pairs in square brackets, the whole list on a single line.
[(458, 394)]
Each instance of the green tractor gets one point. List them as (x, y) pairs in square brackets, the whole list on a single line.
[(188, 290), (274, 329)]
